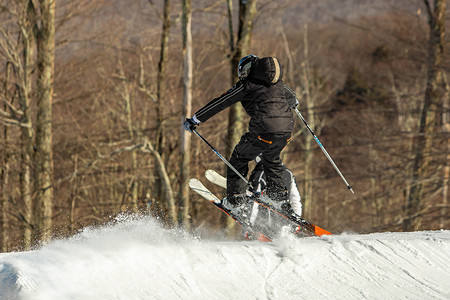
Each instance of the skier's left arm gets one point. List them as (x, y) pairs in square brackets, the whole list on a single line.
[(232, 96)]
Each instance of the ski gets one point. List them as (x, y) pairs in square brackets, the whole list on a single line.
[(198, 187), (216, 178), (303, 227)]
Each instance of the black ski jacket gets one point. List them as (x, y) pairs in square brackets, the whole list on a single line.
[(264, 96)]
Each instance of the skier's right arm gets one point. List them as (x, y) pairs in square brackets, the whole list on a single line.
[(232, 96)]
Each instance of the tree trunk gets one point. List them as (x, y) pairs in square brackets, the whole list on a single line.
[(445, 183), (160, 141), (4, 181), (185, 142), (446, 131), (44, 154), (433, 94), (309, 154), (161, 80), (26, 150), (247, 12), (27, 28)]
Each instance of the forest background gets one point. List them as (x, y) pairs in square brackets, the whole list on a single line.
[(93, 94)]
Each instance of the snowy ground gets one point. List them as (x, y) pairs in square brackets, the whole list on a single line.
[(137, 259)]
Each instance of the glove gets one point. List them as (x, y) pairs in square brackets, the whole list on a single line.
[(190, 124), (293, 104)]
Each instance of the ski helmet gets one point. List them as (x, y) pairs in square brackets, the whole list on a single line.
[(244, 65)]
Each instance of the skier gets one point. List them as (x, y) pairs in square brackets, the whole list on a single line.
[(268, 101)]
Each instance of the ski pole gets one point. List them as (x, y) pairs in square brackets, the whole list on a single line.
[(220, 156), (323, 149)]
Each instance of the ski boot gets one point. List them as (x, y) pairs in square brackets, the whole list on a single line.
[(239, 205), (280, 202)]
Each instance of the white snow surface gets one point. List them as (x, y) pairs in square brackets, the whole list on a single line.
[(136, 258)]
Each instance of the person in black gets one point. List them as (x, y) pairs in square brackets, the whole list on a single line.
[(268, 101)]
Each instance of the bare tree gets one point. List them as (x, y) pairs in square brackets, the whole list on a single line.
[(309, 155), (247, 14), (44, 153), (161, 77), (4, 176), (161, 141), (20, 57), (185, 143), (433, 95), (36, 27), (238, 48), (446, 131)]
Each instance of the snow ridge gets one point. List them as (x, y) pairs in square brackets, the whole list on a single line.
[(136, 258)]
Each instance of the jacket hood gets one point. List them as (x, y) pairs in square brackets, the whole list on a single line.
[(266, 70)]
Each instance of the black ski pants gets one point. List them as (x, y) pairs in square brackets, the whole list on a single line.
[(248, 148)]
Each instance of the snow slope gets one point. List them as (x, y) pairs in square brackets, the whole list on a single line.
[(138, 259)]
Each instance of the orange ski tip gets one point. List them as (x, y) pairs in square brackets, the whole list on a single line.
[(319, 231), (263, 238)]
